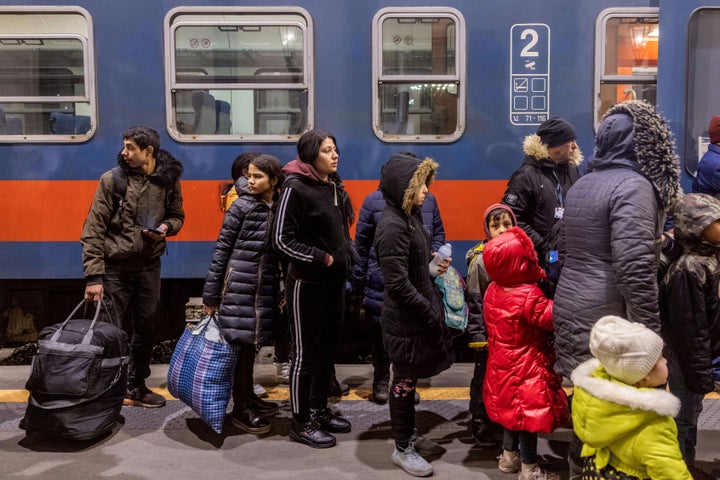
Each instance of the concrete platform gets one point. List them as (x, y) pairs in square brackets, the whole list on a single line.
[(172, 443)]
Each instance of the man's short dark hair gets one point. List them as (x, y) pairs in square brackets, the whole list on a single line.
[(144, 137)]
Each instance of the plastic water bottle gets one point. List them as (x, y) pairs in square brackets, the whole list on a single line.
[(443, 252)]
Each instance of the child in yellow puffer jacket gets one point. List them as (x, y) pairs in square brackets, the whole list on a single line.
[(619, 384)]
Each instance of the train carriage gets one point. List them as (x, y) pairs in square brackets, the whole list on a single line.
[(462, 82)]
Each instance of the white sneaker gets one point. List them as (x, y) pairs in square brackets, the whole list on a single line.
[(409, 460), (283, 372), (259, 390)]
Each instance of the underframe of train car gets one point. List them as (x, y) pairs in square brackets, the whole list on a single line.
[(27, 306)]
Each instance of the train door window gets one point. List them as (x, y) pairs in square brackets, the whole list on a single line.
[(47, 83), (626, 53), (419, 79), (238, 74), (703, 72)]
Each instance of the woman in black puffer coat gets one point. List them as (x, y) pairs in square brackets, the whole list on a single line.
[(243, 282)]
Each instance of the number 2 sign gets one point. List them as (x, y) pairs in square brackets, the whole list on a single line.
[(529, 73)]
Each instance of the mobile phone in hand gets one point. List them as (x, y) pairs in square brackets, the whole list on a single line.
[(156, 231)]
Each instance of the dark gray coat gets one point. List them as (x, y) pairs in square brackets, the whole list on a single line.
[(612, 230)]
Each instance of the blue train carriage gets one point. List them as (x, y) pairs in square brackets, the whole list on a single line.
[(463, 83)]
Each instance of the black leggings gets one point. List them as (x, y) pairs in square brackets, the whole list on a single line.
[(243, 378), (402, 409)]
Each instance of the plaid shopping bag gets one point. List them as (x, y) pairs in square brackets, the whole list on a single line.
[(201, 371)]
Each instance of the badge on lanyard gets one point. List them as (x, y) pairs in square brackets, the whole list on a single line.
[(559, 211)]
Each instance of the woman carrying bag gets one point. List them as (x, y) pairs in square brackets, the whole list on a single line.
[(242, 286)]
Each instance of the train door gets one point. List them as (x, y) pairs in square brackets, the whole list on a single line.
[(703, 73)]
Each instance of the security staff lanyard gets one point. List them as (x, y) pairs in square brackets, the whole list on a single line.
[(560, 208)]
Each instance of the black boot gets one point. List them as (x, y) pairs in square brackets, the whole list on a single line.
[(330, 421), (380, 392), (337, 389), (262, 407), (250, 422), (381, 379), (311, 434), (483, 433)]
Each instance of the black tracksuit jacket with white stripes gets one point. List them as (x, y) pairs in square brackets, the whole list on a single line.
[(310, 223)]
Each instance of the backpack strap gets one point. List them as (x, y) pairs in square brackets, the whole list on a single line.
[(119, 188), (120, 184)]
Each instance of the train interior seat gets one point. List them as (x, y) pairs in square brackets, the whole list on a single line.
[(82, 124), (62, 123), (10, 125), (222, 116), (205, 122), (403, 107)]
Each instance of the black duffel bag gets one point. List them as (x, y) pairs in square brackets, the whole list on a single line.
[(78, 379)]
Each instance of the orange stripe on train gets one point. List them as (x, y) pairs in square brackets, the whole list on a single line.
[(54, 210)]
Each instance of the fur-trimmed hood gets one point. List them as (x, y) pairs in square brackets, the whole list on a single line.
[(536, 151), (693, 213), (402, 177), (630, 428), (633, 134), (601, 385), (167, 168)]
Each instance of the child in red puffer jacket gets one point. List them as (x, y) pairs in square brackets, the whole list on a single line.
[(521, 391)]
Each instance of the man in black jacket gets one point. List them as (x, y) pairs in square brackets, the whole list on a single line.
[(536, 191)]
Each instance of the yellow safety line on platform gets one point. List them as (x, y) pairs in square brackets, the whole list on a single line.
[(283, 393)]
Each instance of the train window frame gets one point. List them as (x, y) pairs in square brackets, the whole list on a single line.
[(89, 96), (700, 104), (601, 78), (251, 18), (456, 81)]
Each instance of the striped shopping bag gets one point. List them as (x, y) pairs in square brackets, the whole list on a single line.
[(201, 371)]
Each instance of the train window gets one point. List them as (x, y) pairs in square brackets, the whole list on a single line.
[(703, 70), (47, 91), (626, 52), (419, 79), (238, 74)]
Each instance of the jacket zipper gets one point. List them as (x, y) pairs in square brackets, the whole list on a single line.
[(226, 280)]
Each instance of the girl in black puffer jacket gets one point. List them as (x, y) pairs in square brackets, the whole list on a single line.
[(413, 319), (243, 282)]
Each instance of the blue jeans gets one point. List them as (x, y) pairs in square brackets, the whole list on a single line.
[(690, 409)]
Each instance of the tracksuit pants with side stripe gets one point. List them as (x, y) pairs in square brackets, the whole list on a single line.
[(316, 313)]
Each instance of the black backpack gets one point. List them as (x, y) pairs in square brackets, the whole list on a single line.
[(79, 378)]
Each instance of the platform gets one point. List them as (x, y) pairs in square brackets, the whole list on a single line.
[(171, 443)]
